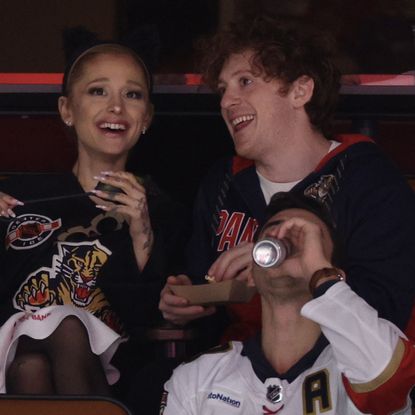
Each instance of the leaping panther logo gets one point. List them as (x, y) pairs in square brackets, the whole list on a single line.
[(80, 264)]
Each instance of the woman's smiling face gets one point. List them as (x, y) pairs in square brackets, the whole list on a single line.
[(108, 104)]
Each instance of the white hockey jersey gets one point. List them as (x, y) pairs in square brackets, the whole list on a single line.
[(362, 365)]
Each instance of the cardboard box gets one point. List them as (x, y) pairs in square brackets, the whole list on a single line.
[(230, 291)]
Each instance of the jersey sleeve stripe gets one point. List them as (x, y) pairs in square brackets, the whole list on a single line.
[(387, 374), (391, 396)]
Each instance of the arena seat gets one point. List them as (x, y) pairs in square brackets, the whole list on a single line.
[(60, 405), (170, 340)]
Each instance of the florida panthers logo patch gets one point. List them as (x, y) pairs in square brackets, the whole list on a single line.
[(30, 230), (322, 188)]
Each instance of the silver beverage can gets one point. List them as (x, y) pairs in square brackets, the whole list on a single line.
[(270, 252)]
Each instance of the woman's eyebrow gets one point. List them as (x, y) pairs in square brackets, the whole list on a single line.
[(98, 80)]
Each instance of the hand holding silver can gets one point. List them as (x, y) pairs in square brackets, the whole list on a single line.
[(271, 252)]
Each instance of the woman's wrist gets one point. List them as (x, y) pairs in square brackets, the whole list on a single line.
[(143, 245), (144, 240)]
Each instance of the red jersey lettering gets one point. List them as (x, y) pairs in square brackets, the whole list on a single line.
[(249, 231), (223, 218), (230, 233)]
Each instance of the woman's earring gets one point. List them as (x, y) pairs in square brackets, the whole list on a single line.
[(68, 123), (144, 130)]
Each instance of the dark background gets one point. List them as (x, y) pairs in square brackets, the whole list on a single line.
[(373, 36)]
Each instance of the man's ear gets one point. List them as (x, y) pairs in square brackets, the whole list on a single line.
[(302, 91), (64, 111)]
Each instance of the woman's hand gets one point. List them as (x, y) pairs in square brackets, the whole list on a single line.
[(7, 204), (131, 202)]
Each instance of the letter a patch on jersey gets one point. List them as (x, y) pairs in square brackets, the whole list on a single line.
[(316, 393)]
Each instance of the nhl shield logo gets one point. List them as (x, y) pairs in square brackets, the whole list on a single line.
[(274, 393)]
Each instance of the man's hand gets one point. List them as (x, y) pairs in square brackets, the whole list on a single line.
[(236, 263), (312, 247), (177, 309)]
